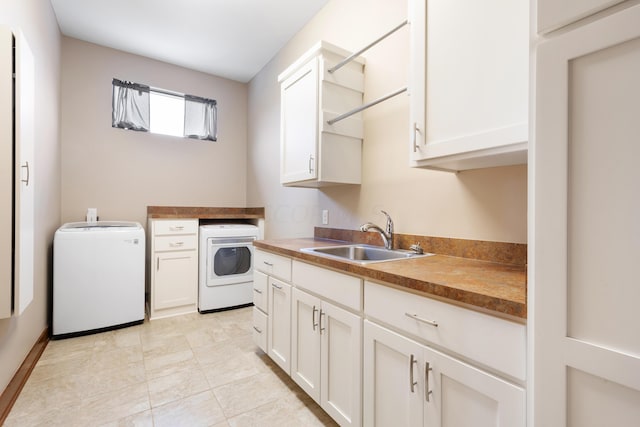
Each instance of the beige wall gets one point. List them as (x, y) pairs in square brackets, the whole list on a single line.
[(482, 205), (122, 172), (37, 22)]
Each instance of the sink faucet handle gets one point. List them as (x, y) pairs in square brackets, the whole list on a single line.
[(389, 227)]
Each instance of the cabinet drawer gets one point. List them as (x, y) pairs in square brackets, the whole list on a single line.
[(341, 288), (260, 289), (260, 329), (273, 265), (175, 243), (494, 342), (178, 226)]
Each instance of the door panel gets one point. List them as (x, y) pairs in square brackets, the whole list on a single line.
[(388, 398), (586, 236), (305, 342), (341, 365)]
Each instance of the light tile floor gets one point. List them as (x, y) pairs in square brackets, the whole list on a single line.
[(191, 370)]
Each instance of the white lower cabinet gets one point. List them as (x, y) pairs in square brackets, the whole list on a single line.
[(326, 356), (409, 384), (173, 267), (279, 324)]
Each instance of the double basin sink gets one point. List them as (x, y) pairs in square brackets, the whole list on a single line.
[(363, 254)]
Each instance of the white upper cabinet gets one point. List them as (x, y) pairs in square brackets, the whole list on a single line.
[(553, 14), (469, 83), (314, 153)]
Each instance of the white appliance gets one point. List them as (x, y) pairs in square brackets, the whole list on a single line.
[(98, 277), (226, 266)]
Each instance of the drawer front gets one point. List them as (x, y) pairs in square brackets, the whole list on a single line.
[(338, 287), (494, 342), (175, 243), (260, 289), (260, 329), (273, 265), (163, 227)]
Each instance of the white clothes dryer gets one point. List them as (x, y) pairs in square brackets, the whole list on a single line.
[(225, 278)]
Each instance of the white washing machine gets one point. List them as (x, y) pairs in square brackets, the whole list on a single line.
[(98, 277), (225, 278)]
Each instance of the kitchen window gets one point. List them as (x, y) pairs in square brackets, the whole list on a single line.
[(142, 108)]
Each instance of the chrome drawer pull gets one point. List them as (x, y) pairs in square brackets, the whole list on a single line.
[(420, 319), (176, 227), (258, 330), (258, 291), (412, 383), (276, 286), (268, 263), (176, 244)]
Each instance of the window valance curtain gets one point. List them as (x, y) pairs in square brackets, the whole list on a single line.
[(130, 106), (200, 118)]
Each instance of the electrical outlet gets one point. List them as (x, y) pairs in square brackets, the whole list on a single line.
[(325, 217)]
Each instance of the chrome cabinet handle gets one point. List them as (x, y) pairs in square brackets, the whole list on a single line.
[(176, 228), (322, 313), (176, 244), (412, 383), (313, 318), (258, 330), (310, 163), (275, 285), (268, 263), (258, 291), (26, 181), (416, 130), (420, 319), (427, 392)]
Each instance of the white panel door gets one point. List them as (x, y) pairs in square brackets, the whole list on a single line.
[(175, 275), (585, 231), (25, 174), (341, 364), (6, 171), (460, 395), (279, 324), (299, 124), (305, 342), (392, 389)]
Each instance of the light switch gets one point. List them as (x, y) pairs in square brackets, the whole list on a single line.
[(325, 217)]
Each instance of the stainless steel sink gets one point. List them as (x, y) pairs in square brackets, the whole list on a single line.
[(363, 254)]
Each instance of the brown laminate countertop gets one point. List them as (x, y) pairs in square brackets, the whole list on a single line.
[(492, 286), (203, 212)]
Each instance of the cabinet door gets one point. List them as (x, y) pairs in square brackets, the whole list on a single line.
[(460, 395), (24, 176), (391, 371), (586, 234), (176, 274), (341, 364), (279, 324), (6, 171), (469, 83), (305, 342), (553, 14), (299, 124)]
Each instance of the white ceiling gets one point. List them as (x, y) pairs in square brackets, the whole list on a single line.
[(227, 38)]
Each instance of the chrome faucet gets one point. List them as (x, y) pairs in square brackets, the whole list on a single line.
[(386, 234)]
